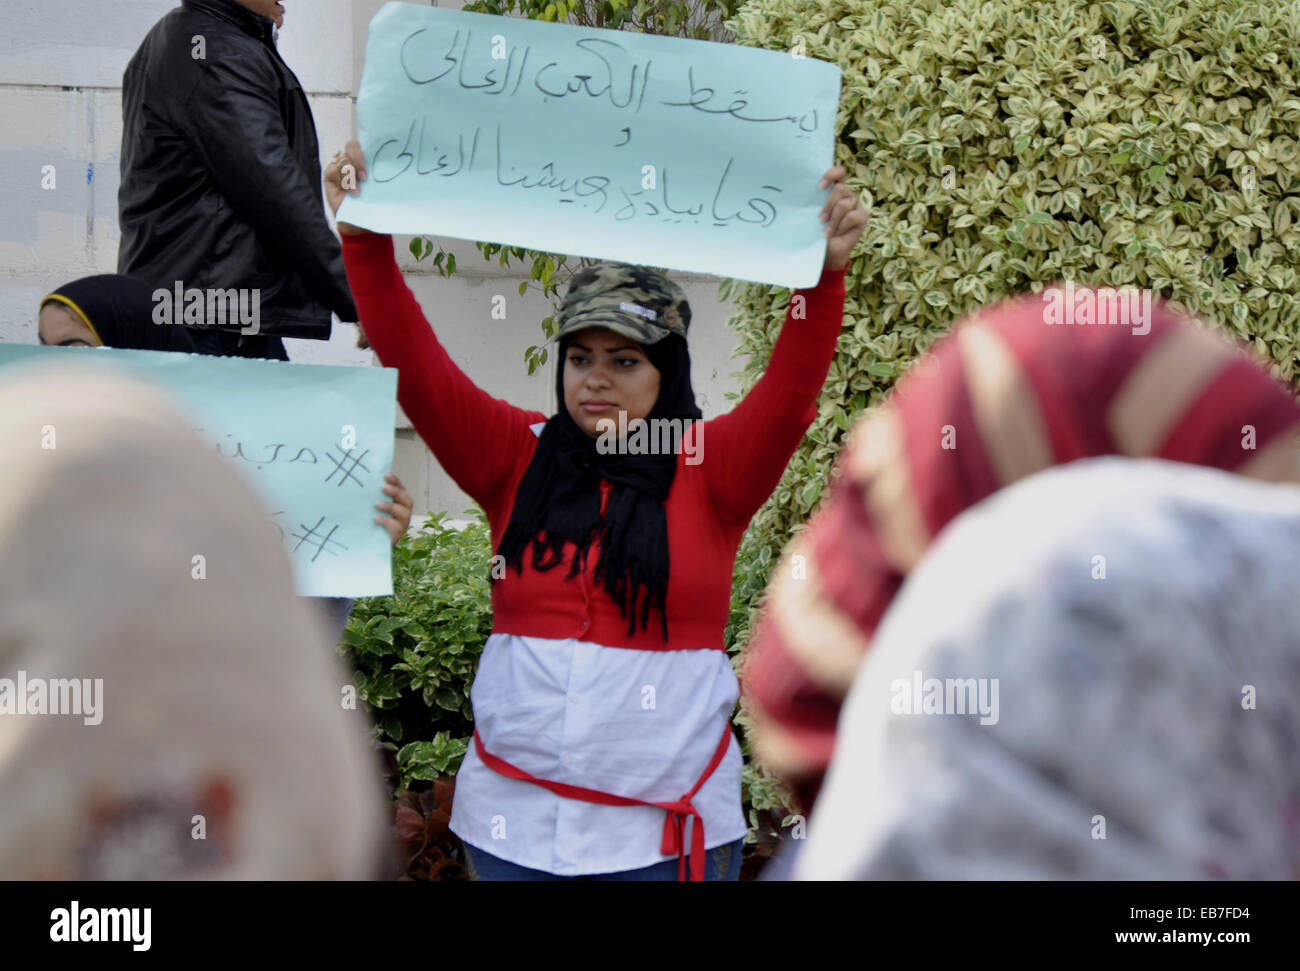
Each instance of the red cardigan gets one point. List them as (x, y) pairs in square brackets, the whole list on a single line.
[(485, 445)]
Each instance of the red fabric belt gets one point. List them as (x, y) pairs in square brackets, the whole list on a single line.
[(674, 825)]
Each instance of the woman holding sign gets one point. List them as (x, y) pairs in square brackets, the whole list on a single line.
[(603, 745)]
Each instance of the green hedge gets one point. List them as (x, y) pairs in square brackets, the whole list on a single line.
[(415, 652)]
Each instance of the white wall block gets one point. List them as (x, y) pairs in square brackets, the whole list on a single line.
[(74, 43), (316, 42), (47, 143), (106, 149), (20, 297), (87, 43)]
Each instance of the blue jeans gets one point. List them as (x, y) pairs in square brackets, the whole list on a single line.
[(721, 863)]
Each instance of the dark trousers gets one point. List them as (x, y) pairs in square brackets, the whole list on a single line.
[(225, 343), (721, 863)]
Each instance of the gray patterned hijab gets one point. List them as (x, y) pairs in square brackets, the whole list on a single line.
[(1124, 637)]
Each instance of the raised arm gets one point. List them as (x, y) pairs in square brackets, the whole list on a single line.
[(478, 439), (746, 450)]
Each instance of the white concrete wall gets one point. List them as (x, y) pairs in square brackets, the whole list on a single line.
[(60, 104)]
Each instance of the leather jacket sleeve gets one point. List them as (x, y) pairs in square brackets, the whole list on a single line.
[(232, 121)]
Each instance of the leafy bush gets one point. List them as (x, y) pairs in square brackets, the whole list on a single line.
[(415, 652), (1004, 145), (428, 849), (677, 18)]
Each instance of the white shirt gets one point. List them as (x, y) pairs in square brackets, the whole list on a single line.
[(642, 724)]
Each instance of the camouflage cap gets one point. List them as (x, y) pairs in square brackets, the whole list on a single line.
[(634, 301)]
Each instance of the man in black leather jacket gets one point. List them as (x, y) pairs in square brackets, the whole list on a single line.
[(221, 178)]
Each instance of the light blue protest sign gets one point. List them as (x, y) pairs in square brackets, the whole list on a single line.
[(314, 441), (602, 143)]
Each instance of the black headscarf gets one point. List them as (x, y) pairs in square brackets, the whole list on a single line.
[(119, 309), (559, 496)]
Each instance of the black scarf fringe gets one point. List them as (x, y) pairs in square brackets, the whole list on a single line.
[(558, 500)]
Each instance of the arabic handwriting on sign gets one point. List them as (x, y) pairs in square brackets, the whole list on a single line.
[(409, 55), (763, 211), (319, 536), (548, 180), (379, 162), (467, 62), (271, 453), (553, 81), (581, 82), (605, 66), (699, 99), (259, 462), (753, 203)]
